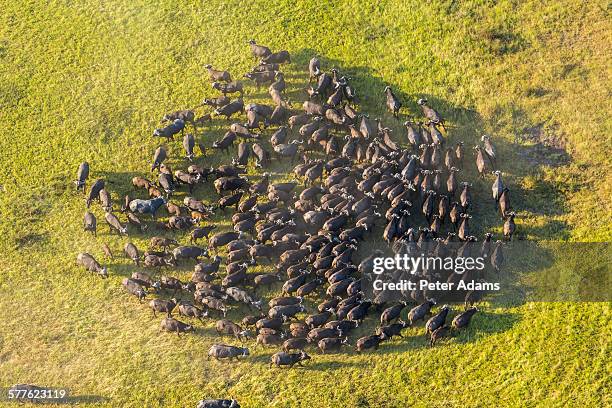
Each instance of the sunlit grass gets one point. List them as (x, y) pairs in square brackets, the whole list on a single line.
[(89, 81)]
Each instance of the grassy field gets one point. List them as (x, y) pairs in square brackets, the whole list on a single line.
[(90, 80)]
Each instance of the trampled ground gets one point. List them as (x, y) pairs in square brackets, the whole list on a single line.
[(90, 80)]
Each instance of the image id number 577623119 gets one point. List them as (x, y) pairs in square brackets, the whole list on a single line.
[(28, 392)]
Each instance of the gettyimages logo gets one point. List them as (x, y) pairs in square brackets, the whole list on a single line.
[(404, 272), (413, 265)]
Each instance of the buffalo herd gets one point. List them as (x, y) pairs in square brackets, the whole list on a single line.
[(356, 184)]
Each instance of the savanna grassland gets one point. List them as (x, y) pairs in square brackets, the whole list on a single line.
[(89, 80)]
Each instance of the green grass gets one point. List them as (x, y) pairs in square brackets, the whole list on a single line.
[(90, 80)]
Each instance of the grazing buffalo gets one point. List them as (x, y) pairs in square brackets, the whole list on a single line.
[(172, 325), (221, 351), (288, 359), (89, 262)]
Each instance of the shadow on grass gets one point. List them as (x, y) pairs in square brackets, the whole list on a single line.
[(85, 400), (199, 329), (331, 365), (486, 324)]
